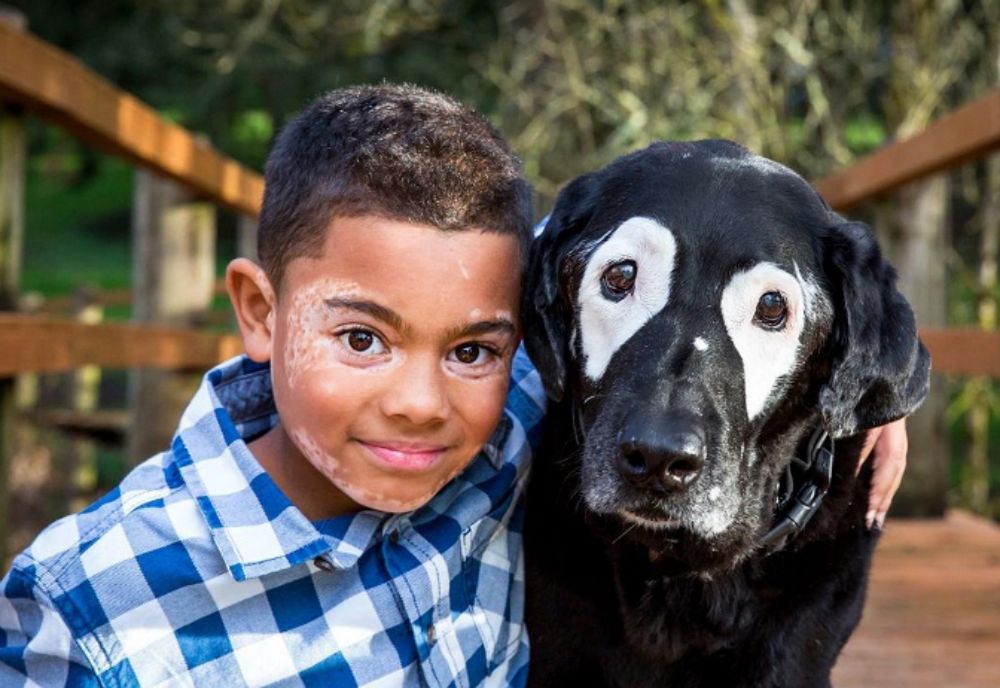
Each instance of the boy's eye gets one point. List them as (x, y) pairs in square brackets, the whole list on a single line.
[(470, 354), (363, 342)]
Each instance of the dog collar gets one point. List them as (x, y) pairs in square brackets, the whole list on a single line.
[(800, 493)]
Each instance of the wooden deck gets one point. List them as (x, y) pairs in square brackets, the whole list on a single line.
[(933, 612)]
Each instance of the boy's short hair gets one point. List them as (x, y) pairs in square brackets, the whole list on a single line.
[(398, 152)]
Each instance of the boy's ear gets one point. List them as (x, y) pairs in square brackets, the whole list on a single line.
[(253, 302)]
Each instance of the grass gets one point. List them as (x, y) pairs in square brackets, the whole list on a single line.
[(77, 234)]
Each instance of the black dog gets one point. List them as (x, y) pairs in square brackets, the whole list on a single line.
[(700, 317)]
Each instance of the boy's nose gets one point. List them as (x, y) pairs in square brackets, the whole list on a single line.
[(417, 393)]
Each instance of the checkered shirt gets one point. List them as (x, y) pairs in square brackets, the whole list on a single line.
[(197, 571)]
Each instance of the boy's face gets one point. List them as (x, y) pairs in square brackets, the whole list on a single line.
[(391, 355)]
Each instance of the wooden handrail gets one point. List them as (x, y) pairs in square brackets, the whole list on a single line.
[(58, 87), (963, 351), (961, 136), (41, 344)]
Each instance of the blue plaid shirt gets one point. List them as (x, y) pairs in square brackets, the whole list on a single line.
[(197, 570)]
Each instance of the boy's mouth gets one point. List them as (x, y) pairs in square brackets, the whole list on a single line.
[(407, 456)]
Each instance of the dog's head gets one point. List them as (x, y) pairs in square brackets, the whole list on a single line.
[(702, 309)]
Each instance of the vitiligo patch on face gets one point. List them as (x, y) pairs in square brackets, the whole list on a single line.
[(605, 324), (309, 342), (335, 471), (768, 355)]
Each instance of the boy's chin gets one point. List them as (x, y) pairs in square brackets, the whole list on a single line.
[(389, 503)]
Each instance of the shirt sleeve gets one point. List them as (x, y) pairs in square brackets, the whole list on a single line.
[(37, 648)]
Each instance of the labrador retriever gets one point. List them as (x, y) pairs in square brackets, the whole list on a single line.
[(714, 340)]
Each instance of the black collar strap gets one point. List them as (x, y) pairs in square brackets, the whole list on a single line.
[(801, 492)]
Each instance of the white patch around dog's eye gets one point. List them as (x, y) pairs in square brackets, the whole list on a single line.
[(606, 324), (769, 354), (700, 344)]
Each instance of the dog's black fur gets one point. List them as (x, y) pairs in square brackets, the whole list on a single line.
[(610, 602)]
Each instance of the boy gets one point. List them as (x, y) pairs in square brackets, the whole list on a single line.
[(342, 505), (307, 526)]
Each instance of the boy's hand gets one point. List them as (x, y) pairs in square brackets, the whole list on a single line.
[(888, 443)]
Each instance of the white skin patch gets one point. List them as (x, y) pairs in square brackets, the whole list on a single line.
[(768, 355), (700, 344), (310, 344), (604, 324), (337, 473)]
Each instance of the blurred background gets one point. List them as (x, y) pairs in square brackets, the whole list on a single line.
[(118, 217), (816, 84)]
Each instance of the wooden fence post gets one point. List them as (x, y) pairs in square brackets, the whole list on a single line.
[(173, 280), (916, 242), (12, 166)]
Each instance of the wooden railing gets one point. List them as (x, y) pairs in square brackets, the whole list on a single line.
[(59, 88), (962, 136), (38, 78)]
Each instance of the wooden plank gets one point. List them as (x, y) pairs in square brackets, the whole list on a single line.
[(963, 135), (57, 86), (932, 616), (40, 344), (963, 351), (110, 297)]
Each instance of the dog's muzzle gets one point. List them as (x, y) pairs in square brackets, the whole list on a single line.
[(661, 452)]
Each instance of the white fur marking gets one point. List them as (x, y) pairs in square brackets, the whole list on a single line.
[(648, 523), (700, 344), (768, 356), (604, 324), (754, 162)]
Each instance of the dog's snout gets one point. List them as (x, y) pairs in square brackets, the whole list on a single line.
[(661, 452)]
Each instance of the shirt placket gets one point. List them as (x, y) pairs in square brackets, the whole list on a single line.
[(423, 591)]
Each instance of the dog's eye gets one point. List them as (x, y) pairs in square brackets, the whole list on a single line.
[(618, 280), (771, 311)]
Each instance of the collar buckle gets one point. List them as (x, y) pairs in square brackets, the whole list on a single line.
[(801, 491)]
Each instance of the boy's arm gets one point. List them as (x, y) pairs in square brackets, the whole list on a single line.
[(36, 645), (887, 447)]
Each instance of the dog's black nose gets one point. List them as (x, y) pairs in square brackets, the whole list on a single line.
[(661, 452)]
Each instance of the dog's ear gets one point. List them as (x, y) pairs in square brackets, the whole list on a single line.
[(546, 313), (880, 369)]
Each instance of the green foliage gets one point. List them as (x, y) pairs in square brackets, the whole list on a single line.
[(76, 232), (864, 134)]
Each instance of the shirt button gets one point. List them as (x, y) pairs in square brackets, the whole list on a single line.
[(323, 564), (394, 537), (431, 634)]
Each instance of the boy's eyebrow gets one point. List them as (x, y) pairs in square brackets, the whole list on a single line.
[(483, 327), (375, 310)]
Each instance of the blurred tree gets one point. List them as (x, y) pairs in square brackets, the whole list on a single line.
[(930, 44), (583, 82)]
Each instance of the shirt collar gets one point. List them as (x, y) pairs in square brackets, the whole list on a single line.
[(256, 529)]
